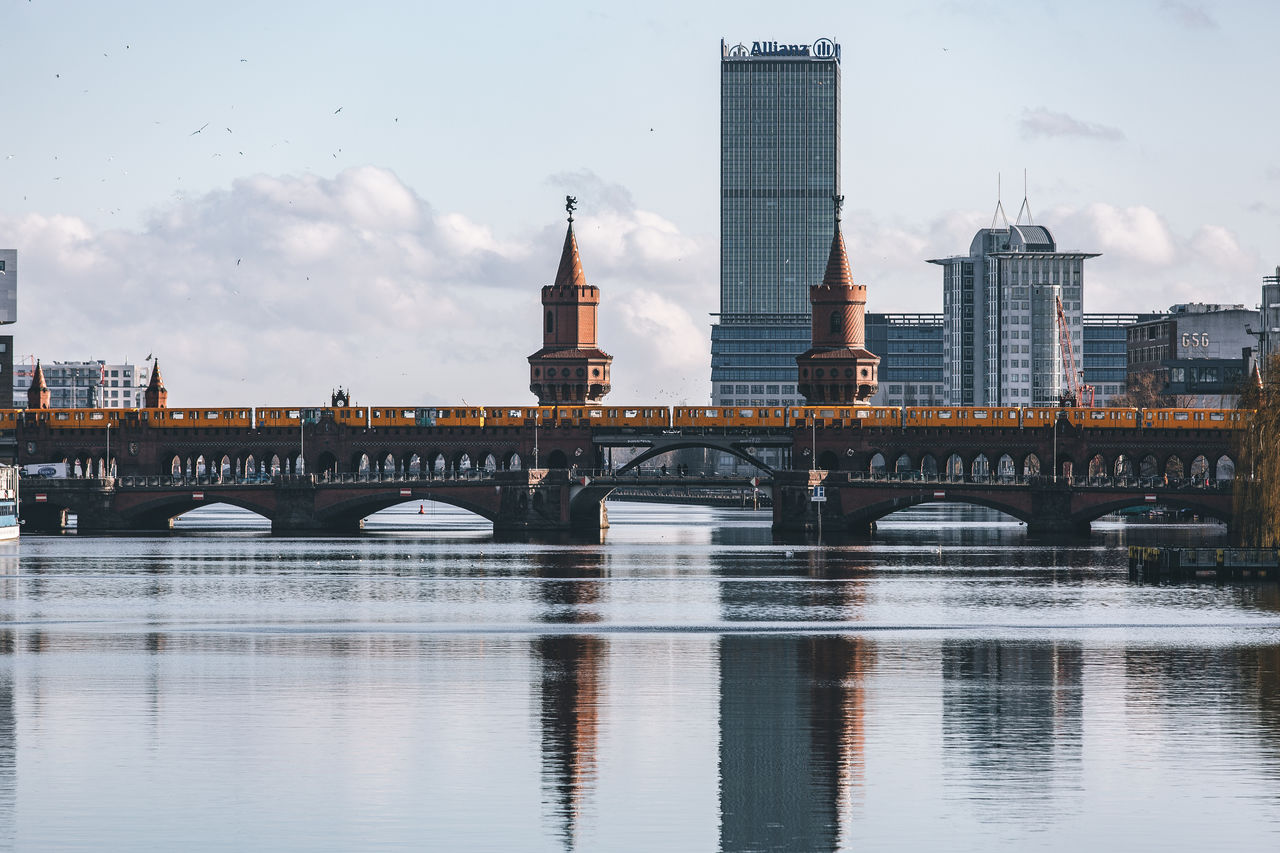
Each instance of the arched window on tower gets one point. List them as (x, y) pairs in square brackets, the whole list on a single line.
[(837, 322), (551, 322)]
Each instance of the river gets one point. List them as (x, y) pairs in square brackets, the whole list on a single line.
[(687, 684)]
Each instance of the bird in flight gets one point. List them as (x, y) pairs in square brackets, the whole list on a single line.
[(338, 110), (202, 127)]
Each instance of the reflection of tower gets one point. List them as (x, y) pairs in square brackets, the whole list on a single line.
[(1013, 712), (791, 739), (8, 739), (791, 719), (571, 688), (570, 367)]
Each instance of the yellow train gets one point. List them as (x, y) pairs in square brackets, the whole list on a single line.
[(636, 417)]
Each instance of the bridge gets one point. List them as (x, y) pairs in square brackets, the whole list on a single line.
[(329, 476)]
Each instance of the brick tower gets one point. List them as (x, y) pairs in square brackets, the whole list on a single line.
[(570, 367), (38, 394), (837, 368), (156, 396)]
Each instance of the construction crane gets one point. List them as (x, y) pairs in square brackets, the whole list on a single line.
[(1078, 393)]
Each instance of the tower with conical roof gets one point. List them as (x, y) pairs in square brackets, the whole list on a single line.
[(570, 367), (837, 368), (156, 396), (38, 394)]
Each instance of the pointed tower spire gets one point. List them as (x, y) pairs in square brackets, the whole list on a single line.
[(38, 394), (570, 367), (837, 368), (570, 272), (1026, 205), (999, 216), (156, 396)]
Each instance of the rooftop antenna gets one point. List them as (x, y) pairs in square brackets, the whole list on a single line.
[(1026, 206), (999, 214)]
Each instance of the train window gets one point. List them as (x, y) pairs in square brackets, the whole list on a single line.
[(1217, 416), (596, 413), (293, 413), (827, 413), (96, 416), (1199, 416), (1098, 416), (631, 413), (177, 416), (747, 413), (62, 416), (945, 415), (864, 414), (710, 413), (980, 414), (1179, 416), (211, 415), (777, 413)]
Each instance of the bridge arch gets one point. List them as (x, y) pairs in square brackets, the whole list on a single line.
[(1097, 467), (349, 513), (980, 468), (928, 465), (955, 467), (1199, 468), (1174, 500), (1030, 465), (1149, 466), (870, 513), (1173, 467), (1123, 468), (1224, 468), (697, 442), (877, 465)]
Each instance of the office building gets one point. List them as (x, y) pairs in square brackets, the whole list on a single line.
[(1001, 337), (85, 384), (1269, 336), (1200, 354), (911, 359), (8, 315), (1106, 358), (779, 169)]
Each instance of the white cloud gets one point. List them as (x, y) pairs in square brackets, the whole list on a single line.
[(1042, 122), (1190, 14), (280, 288)]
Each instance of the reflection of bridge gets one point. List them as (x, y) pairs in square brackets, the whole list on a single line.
[(485, 470)]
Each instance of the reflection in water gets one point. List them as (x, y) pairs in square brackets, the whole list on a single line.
[(1012, 717), (791, 739), (8, 742), (570, 687)]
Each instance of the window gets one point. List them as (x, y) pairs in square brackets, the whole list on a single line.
[(837, 322), (551, 323)]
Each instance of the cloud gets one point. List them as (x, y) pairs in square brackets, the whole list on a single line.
[(1045, 123), (279, 288), (1273, 174), (1190, 14)]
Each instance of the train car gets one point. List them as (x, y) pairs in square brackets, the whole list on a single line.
[(189, 418), (275, 416), (625, 417), (518, 416), (962, 416), (1102, 418), (844, 416), (74, 418), (8, 419), (449, 416), (728, 417), (1194, 419)]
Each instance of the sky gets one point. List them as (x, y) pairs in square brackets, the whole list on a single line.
[(278, 198)]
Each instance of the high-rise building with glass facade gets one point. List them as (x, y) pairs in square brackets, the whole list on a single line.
[(1002, 345), (779, 168)]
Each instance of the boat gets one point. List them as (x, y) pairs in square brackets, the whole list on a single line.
[(8, 502)]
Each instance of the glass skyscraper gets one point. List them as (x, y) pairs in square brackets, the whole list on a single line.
[(779, 168)]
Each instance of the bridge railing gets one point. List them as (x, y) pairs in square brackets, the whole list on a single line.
[(1146, 483)]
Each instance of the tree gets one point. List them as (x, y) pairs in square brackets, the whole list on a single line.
[(1144, 390), (1256, 504)]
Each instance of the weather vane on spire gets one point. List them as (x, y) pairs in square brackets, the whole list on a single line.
[(838, 202), (570, 204)]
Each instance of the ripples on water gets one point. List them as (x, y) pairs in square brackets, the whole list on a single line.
[(688, 685)]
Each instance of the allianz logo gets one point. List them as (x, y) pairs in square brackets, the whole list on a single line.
[(820, 49)]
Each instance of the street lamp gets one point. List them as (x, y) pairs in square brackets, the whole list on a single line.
[(536, 413), (108, 463)]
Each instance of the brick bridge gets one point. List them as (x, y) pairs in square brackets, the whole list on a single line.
[(354, 471)]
